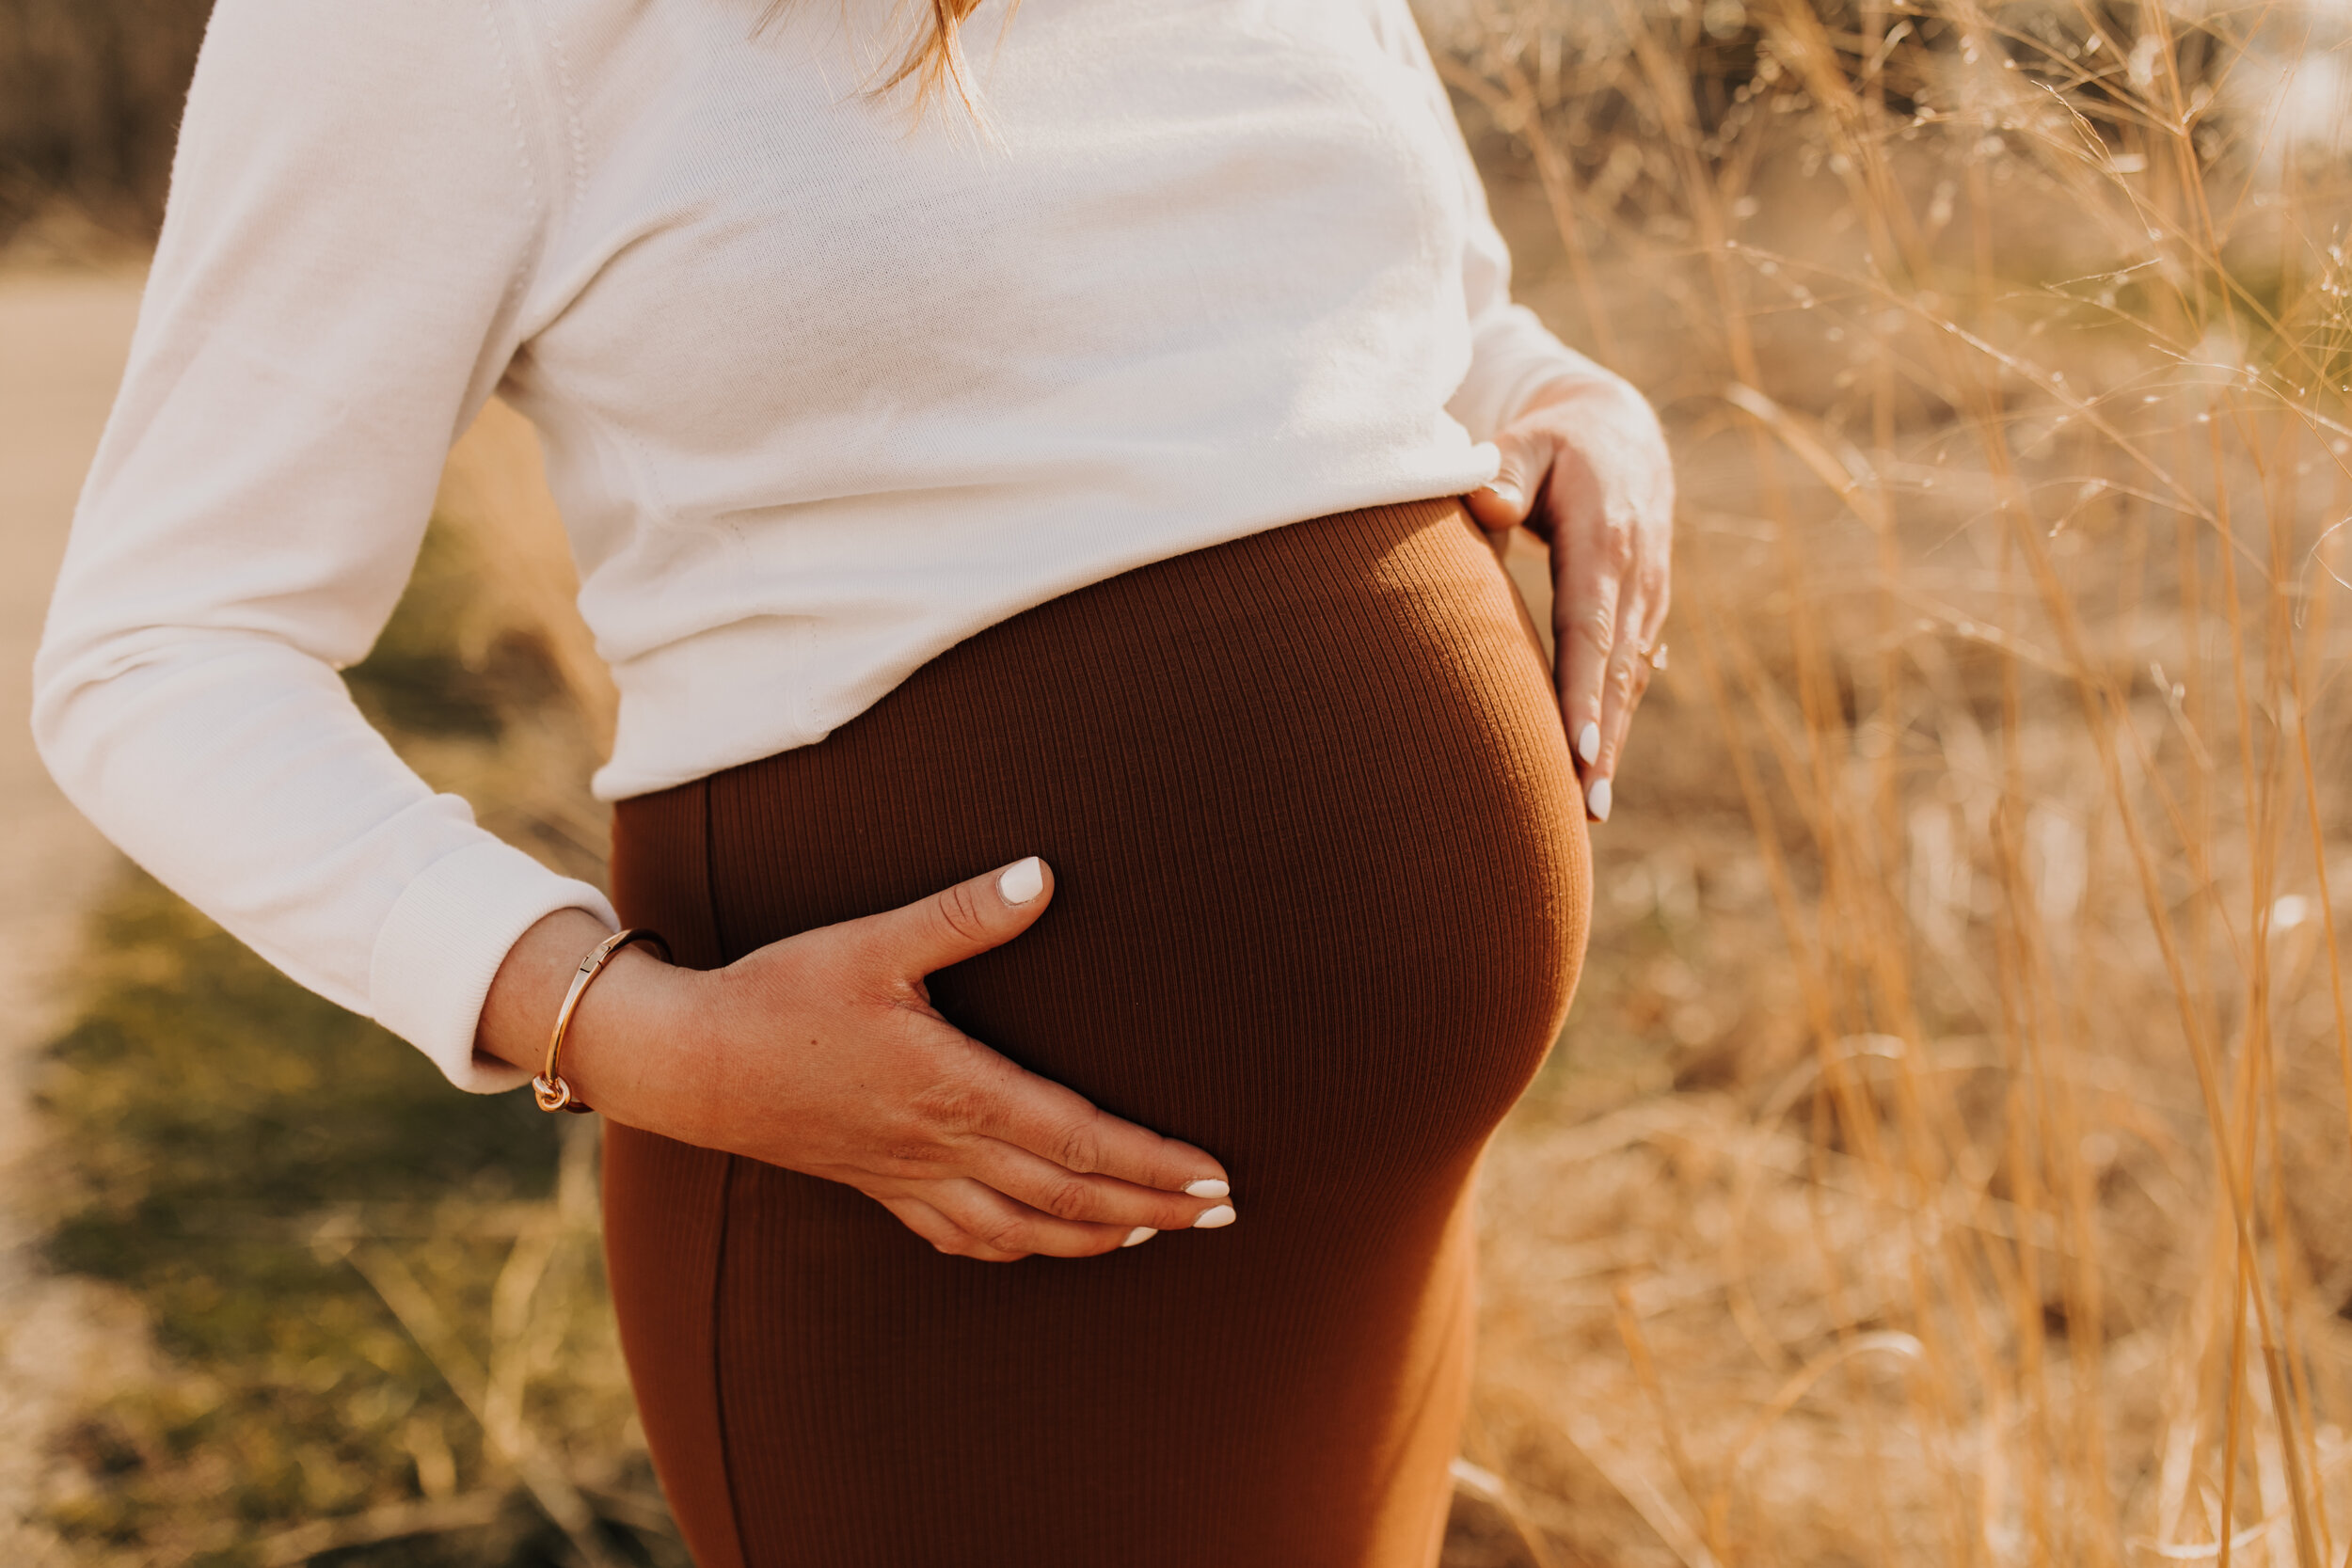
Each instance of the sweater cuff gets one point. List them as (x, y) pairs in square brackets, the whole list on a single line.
[(443, 942)]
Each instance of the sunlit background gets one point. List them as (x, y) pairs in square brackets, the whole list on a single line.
[(1948, 1160)]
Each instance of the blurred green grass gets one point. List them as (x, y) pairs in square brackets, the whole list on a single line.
[(320, 1230)]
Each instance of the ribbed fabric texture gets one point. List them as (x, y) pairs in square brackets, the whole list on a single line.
[(1321, 896)]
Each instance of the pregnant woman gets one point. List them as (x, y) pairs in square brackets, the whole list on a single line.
[(1117, 849)]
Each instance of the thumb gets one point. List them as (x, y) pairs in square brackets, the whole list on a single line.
[(1509, 498), (965, 920)]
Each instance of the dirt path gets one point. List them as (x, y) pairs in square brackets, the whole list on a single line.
[(63, 336)]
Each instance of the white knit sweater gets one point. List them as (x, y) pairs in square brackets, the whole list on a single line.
[(822, 392)]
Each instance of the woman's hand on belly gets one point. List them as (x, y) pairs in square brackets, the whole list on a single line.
[(1585, 466), (822, 1053)]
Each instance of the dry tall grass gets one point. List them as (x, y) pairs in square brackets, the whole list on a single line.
[(1998, 1213)]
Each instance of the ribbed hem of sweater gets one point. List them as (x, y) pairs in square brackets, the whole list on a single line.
[(443, 942)]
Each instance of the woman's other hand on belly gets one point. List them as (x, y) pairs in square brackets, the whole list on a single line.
[(822, 1053), (1585, 466)]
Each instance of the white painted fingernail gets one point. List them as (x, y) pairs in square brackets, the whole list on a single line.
[(1139, 1235), (1023, 880), (1211, 1219), (1208, 1186), (1597, 799), (1507, 493), (1588, 744)]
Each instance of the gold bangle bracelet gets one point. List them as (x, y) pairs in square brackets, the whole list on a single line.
[(548, 1088)]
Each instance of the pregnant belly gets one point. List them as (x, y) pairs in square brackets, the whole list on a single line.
[(1320, 866)]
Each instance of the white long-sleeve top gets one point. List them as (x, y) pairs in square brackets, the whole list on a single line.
[(823, 391)]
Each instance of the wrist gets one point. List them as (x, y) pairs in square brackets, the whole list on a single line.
[(621, 1054), (628, 1013)]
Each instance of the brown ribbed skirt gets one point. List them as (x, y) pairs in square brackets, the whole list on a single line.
[(1321, 889)]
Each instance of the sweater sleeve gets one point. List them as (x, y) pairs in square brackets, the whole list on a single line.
[(357, 193), (1513, 353)]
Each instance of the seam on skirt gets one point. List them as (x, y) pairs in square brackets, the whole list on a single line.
[(717, 1379)]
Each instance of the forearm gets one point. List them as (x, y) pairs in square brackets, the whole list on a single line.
[(335, 293)]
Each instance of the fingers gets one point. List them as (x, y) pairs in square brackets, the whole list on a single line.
[(1065, 1130), (1628, 679), (1631, 667), (938, 1229), (1584, 623), (1508, 499), (976, 1113), (970, 1219), (1051, 1189), (965, 920)]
